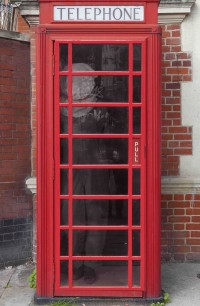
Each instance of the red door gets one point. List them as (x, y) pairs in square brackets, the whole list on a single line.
[(100, 169)]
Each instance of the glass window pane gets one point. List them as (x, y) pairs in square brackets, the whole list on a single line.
[(63, 212), (100, 151), (100, 243), (64, 151), (98, 88), (136, 212), (136, 273), (63, 273), (101, 57), (100, 181), (136, 120), (63, 181), (136, 243), (102, 273), (63, 89), (137, 60), (137, 89), (63, 57), (100, 212), (136, 181), (63, 120), (64, 243), (99, 120)]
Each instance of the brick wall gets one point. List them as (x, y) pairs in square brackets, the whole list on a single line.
[(181, 227), (15, 150), (176, 68), (180, 212), (22, 25)]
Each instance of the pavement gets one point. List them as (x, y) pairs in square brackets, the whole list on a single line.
[(180, 280)]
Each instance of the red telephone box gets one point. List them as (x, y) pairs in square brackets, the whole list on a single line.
[(98, 204)]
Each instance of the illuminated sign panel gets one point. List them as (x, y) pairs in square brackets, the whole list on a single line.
[(99, 13)]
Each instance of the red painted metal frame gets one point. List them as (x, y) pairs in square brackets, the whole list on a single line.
[(150, 220), (70, 290)]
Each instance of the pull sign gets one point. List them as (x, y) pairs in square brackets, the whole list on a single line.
[(98, 13), (136, 151)]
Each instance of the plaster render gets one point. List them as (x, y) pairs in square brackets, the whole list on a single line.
[(190, 165)]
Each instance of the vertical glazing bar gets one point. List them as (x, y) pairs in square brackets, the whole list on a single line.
[(143, 169), (70, 174), (56, 167), (130, 162)]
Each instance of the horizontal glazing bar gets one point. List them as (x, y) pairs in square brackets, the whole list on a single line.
[(101, 227), (99, 135), (85, 73), (100, 166)]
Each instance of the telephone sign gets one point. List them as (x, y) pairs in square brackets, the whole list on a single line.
[(99, 13)]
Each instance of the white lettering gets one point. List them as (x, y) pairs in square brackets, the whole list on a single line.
[(136, 13), (61, 12), (70, 12), (136, 157), (117, 14), (129, 14), (106, 13), (87, 12), (97, 12)]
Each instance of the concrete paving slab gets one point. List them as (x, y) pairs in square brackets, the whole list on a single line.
[(17, 296), (5, 276), (180, 280), (16, 292)]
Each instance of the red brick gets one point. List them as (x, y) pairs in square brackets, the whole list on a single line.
[(195, 249), (173, 41), (193, 241), (193, 226), (195, 234), (179, 212), (183, 151), (176, 219), (193, 256), (181, 249), (179, 227)]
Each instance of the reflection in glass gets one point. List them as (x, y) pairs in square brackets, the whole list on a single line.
[(137, 60), (63, 120), (104, 273), (136, 212), (99, 88), (137, 89), (136, 243), (100, 181), (63, 273), (63, 89), (63, 181), (100, 151), (63, 212), (100, 212), (63, 150), (101, 57), (136, 120), (116, 243), (63, 242), (136, 273), (136, 181), (98, 120), (63, 57), (100, 242)]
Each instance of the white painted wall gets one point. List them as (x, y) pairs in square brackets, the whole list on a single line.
[(190, 165)]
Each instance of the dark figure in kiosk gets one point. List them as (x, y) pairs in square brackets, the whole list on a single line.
[(87, 181)]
